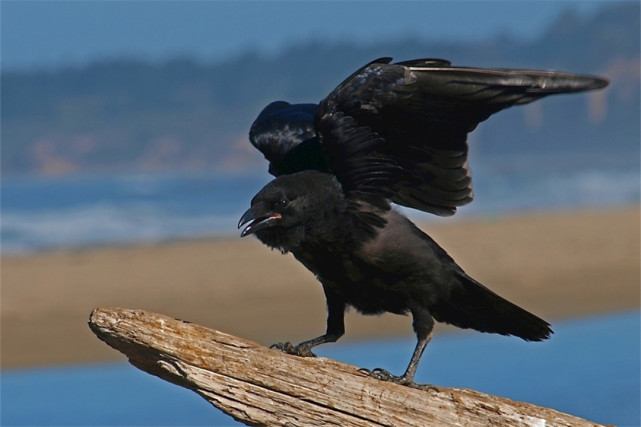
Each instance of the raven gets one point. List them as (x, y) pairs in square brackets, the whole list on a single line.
[(391, 133)]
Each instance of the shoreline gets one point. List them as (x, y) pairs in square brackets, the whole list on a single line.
[(558, 265), (426, 222)]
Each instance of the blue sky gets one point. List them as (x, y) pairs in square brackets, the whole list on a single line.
[(49, 34)]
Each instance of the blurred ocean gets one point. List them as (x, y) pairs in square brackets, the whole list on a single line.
[(41, 213)]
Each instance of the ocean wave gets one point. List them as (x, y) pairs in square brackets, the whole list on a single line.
[(25, 232), (571, 189), (42, 213)]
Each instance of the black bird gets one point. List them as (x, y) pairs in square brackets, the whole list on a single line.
[(390, 133)]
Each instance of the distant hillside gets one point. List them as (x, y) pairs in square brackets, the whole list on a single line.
[(129, 116)]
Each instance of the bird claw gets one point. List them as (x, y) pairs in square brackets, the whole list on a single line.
[(383, 375), (297, 350)]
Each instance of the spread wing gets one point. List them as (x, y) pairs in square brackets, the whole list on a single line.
[(397, 132)]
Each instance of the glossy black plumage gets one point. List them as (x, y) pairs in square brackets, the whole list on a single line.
[(413, 118), (390, 133)]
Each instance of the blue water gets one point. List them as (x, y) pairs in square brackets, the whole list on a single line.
[(590, 368), (46, 212)]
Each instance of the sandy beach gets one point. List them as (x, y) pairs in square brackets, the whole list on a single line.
[(557, 265)]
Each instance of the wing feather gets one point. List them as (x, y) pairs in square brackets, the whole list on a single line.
[(416, 115), (398, 132)]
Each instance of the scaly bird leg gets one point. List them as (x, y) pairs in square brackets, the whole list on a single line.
[(423, 325), (304, 349), (335, 330)]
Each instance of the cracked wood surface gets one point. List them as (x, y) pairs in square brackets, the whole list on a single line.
[(260, 386)]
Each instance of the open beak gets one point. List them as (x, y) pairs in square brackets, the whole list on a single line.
[(256, 223)]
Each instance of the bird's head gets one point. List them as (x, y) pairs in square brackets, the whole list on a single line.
[(293, 209)]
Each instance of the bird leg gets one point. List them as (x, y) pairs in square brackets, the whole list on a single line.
[(408, 377), (304, 349), (335, 330), (423, 325)]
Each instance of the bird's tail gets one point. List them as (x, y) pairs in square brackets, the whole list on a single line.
[(474, 306)]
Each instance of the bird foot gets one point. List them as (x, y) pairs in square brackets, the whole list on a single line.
[(383, 375), (297, 350)]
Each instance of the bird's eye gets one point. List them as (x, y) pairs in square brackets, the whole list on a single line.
[(283, 203)]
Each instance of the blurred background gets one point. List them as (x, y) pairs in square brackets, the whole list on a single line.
[(125, 150)]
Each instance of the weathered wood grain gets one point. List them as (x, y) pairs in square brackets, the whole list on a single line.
[(259, 386)]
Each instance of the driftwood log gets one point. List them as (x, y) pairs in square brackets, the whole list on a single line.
[(260, 386)]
